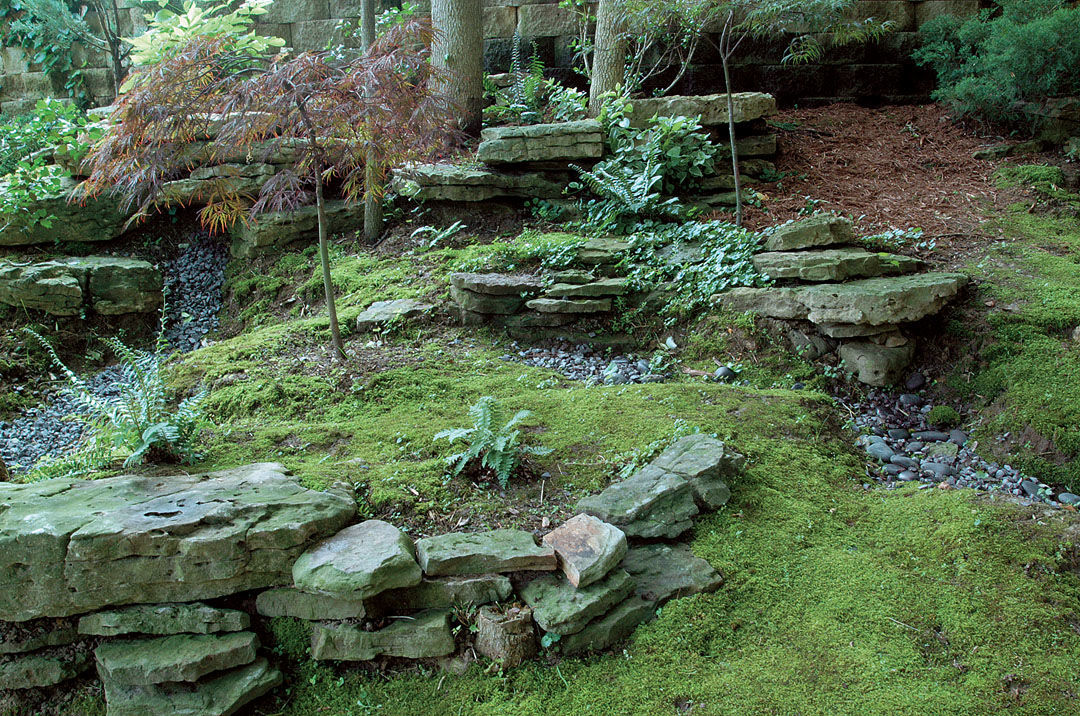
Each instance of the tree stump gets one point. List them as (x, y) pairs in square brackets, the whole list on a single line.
[(507, 636)]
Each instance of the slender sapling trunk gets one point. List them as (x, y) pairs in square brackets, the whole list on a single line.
[(373, 215), (324, 259)]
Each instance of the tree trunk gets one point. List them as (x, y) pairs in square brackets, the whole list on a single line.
[(373, 216), (4, 476), (731, 138), (324, 259), (458, 49), (609, 54)]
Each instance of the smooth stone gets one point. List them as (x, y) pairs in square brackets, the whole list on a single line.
[(931, 436), (182, 657), (587, 548), (943, 449), (892, 470), (907, 476), (1030, 488), (560, 608), (219, 695), (899, 434), (359, 562), (662, 572), (909, 399), (880, 451), (613, 627), (1068, 498), (938, 470), (914, 446), (163, 619), (958, 436), (443, 593), (42, 668), (915, 381), (424, 635), (483, 552), (652, 503), (905, 461), (296, 603)]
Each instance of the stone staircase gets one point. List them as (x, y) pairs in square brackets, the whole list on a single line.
[(861, 298)]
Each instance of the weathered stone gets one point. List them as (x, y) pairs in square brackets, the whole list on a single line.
[(182, 657), (832, 264), (425, 635), (196, 618), (451, 182), (817, 230), (109, 285), (573, 276), (218, 695), (485, 303), (597, 252), (383, 312), (662, 572), (443, 593), (704, 461), (31, 636), (943, 449), (652, 503), (853, 330), (603, 287), (613, 627), (712, 108), (482, 552), (545, 20), (120, 285), (205, 182), (290, 602), (506, 636), (359, 562), (274, 230), (42, 668), (757, 145), (70, 546), (587, 548), (497, 284), (535, 319), (97, 219), (563, 141), (872, 301), (560, 608), (579, 305), (876, 365), (49, 286)]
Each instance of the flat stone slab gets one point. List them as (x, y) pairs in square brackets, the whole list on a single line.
[(222, 695), (423, 636), (164, 619), (587, 548), (451, 182), (182, 657), (497, 284), (712, 108), (615, 626), (569, 305), (485, 303), (562, 141), (832, 264), (359, 562), (276, 229), (651, 503), (560, 608), (872, 301), (705, 462), (483, 552), (383, 312), (70, 546), (296, 603), (43, 668), (603, 287), (108, 285), (97, 219), (817, 230), (31, 636), (663, 572), (443, 593), (602, 251)]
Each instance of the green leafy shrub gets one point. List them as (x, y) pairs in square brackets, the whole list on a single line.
[(531, 99), (136, 422), (943, 416), (989, 64), (52, 123), (498, 450)]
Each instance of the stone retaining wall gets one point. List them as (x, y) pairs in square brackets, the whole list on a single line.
[(880, 70), (124, 572)]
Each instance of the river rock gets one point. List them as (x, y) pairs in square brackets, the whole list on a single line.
[(182, 657), (164, 619), (560, 608), (652, 503), (70, 546), (483, 552), (359, 562), (587, 548), (425, 635), (662, 572), (216, 695)]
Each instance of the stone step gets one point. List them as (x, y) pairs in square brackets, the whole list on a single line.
[(182, 657), (872, 301), (613, 627), (453, 182), (832, 264), (712, 108), (663, 572), (815, 231), (384, 312), (216, 695), (483, 552), (562, 141)]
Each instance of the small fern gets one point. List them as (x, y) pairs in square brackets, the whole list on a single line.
[(498, 450), (136, 422)]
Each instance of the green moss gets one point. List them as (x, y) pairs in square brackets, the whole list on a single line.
[(290, 638), (943, 416), (1047, 181)]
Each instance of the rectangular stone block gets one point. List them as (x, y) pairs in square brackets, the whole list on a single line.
[(500, 21), (316, 35), (281, 11), (899, 12), (276, 29), (15, 61), (548, 20), (928, 10)]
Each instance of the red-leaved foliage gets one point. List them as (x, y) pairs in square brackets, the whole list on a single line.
[(328, 112)]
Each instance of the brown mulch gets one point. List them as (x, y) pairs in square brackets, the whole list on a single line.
[(889, 167)]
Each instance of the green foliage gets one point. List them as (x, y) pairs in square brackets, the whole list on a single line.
[(136, 421), (989, 64), (1048, 182), (549, 250), (943, 416), (531, 99), (897, 239), (168, 30), (498, 450), (46, 31)]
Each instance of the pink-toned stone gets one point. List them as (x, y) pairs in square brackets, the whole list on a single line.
[(587, 548)]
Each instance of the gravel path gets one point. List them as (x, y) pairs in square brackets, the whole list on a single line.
[(194, 283), (582, 362)]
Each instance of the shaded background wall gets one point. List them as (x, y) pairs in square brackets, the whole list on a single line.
[(877, 72)]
